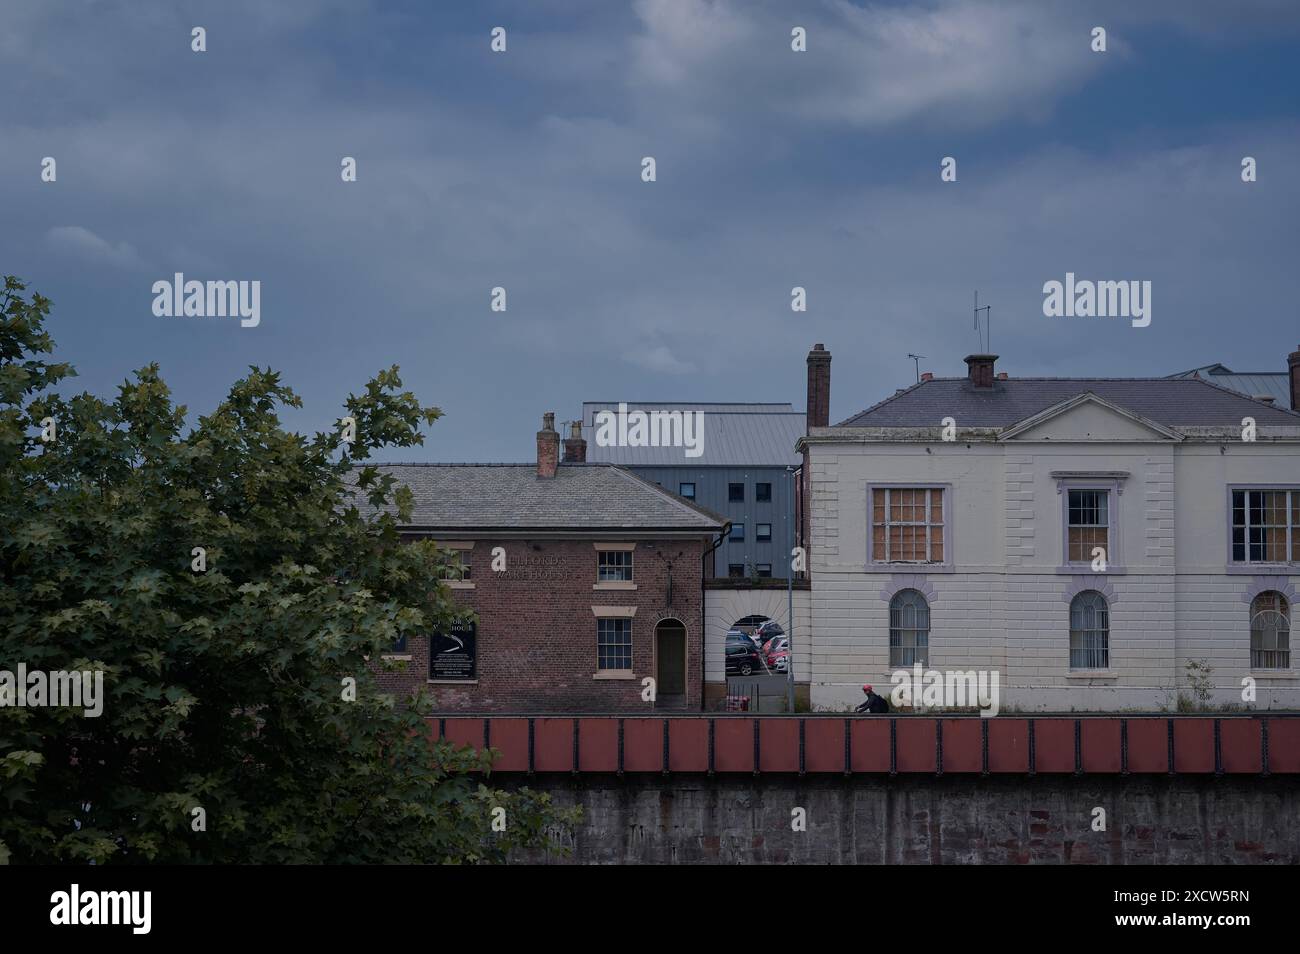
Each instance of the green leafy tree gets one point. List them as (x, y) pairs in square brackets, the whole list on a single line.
[(230, 729)]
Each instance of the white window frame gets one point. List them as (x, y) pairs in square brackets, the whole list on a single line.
[(876, 560)]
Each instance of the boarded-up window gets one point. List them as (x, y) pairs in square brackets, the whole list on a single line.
[(1088, 525), (907, 525)]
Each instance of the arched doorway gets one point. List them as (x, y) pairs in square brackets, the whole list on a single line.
[(670, 662)]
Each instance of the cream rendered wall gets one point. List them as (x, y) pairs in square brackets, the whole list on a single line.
[(1004, 603)]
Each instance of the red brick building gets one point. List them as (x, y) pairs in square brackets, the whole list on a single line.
[(583, 579)]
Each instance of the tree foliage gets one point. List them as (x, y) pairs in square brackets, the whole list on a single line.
[(225, 690)]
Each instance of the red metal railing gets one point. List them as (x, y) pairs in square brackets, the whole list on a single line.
[(821, 744)]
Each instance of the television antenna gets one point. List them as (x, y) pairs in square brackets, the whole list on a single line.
[(986, 339), (916, 359)]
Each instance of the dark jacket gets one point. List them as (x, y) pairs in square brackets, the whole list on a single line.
[(874, 703)]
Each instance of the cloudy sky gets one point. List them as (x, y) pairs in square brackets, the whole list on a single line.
[(523, 170)]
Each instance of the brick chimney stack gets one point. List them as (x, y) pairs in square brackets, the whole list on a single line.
[(575, 445), (981, 369), (819, 387), (1293, 365), (548, 447)]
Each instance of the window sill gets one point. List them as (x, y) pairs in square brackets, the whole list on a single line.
[(878, 567), (459, 584), (1263, 569), (1085, 569), (615, 674), (1273, 674), (1092, 674), (614, 585), (452, 682)]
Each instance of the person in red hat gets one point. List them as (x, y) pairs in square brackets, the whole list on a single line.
[(873, 703)]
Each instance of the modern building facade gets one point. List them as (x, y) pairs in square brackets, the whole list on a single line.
[(1102, 544), (744, 471), (582, 585)]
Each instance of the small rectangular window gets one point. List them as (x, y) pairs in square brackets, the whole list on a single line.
[(763, 531), (1266, 526), (614, 644), (614, 566), (765, 570), (457, 569), (737, 532), (736, 493), (686, 490), (762, 492), (736, 570)]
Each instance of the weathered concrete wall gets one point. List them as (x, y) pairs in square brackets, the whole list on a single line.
[(926, 820)]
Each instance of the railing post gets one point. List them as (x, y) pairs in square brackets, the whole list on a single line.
[(665, 767), (984, 746), (1033, 754), (893, 747), (1218, 749), (848, 747), (1078, 746), (620, 748), (802, 763), (1170, 724), (1263, 743), (711, 727), (1123, 746), (576, 760), (938, 748), (757, 746), (531, 745)]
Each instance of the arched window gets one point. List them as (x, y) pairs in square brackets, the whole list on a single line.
[(1270, 631), (1089, 631), (909, 629)]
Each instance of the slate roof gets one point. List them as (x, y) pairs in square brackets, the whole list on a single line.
[(1173, 402), (735, 435), (465, 497), (1276, 384)]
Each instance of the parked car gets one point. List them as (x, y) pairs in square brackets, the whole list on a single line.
[(767, 630), (743, 657), (743, 634), (777, 644)]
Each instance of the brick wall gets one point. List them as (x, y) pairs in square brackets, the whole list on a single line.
[(537, 630)]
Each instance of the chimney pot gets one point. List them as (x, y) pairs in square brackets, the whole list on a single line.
[(819, 386), (575, 445), (980, 370), (1002, 375), (927, 375), (548, 447)]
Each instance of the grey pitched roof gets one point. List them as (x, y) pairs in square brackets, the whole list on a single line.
[(1174, 402), (465, 497), (734, 435), (1275, 384)]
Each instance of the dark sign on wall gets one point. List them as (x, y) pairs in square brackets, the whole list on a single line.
[(453, 653)]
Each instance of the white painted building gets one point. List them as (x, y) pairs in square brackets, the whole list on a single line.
[(981, 551)]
